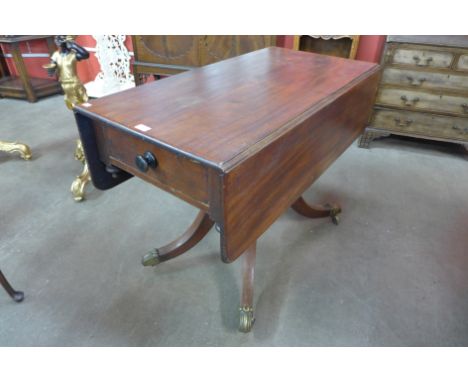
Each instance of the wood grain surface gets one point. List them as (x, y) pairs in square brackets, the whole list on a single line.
[(220, 111)]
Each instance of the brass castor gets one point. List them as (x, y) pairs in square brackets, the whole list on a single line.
[(247, 319), (335, 214), (151, 258), (18, 296)]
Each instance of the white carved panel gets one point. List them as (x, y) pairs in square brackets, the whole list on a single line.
[(114, 59)]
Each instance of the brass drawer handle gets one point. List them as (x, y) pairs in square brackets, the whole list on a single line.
[(417, 59), (465, 107), (403, 124), (417, 81), (408, 102), (406, 123)]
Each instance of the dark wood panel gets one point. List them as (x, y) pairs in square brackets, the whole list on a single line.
[(251, 43), (217, 48), (168, 50), (180, 176), (337, 48), (168, 55), (261, 188)]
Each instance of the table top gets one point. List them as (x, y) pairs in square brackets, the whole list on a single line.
[(222, 113)]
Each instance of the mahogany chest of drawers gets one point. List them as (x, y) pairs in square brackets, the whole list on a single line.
[(423, 91)]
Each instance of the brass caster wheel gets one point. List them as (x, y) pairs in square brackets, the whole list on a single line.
[(335, 214), (247, 319), (18, 296), (151, 258)]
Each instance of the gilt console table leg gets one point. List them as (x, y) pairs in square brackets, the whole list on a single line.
[(317, 211), (246, 310), (14, 294), (197, 231), (79, 184), (22, 149)]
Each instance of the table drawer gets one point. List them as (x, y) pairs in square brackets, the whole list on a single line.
[(422, 58), (425, 80), (462, 63), (176, 174), (421, 124), (420, 100)]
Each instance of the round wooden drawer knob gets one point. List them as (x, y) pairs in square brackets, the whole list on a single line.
[(145, 161)]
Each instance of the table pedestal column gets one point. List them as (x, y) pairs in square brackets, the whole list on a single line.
[(202, 225), (246, 309)]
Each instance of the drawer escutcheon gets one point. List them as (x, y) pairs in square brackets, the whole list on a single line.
[(420, 62), (408, 102), (406, 123)]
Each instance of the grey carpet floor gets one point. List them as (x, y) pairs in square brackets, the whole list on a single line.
[(393, 273)]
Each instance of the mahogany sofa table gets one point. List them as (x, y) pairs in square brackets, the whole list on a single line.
[(240, 139)]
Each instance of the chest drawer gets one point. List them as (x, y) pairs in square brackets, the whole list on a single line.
[(425, 80), (419, 100), (421, 124), (462, 63), (422, 57), (176, 174)]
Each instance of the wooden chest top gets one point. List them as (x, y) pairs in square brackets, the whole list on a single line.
[(222, 113)]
